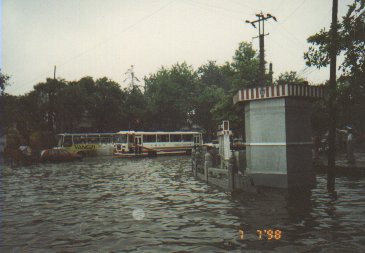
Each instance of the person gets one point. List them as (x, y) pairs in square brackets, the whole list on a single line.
[(350, 146)]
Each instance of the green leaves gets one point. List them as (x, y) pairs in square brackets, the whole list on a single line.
[(350, 91), (171, 93), (289, 77), (175, 97), (3, 82), (351, 42)]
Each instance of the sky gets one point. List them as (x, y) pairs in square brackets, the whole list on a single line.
[(100, 38)]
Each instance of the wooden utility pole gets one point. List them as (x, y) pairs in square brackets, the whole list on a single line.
[(51, 116), (331, 104), (261, 20)]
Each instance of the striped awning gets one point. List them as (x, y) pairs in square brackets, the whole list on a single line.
[(283, 90)]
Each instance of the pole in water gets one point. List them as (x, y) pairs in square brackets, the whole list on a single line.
[(331, 103)]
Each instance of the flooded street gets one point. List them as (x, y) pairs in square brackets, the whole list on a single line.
[(156, 205)]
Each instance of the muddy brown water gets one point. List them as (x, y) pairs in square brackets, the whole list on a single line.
[(156, 205)]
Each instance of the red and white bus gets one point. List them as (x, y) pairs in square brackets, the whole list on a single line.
[(139, 143)]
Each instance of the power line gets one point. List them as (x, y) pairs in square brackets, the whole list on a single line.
[(244, 5), (296, 9), (102, 42), (215, 8), (279, 5), (291, 34)]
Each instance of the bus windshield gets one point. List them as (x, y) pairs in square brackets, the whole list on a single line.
[(119, 138), (59, 140)]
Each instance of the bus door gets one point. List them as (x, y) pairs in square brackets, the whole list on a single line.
[(196, 140), (138, 144)]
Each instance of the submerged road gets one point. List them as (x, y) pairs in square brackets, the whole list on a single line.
[(156, 205)]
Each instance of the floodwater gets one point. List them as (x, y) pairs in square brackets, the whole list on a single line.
[(156, 205)]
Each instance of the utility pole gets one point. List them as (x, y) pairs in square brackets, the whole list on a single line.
[(271, 73), (261, 20), (51, 116), (331, 103), (132, 77)]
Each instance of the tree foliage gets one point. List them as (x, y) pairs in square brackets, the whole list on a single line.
[(175, 98), (3, 82), (289, 77), (171, 93), (351, 42), (350, 92)]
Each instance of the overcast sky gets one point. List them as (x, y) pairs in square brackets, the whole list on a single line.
[(104, 37)]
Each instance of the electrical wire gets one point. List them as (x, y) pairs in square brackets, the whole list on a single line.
[(100, 43), (292, 13)]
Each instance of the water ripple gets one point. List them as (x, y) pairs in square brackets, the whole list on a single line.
[(156, 205)]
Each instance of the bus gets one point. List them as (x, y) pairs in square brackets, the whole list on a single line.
[(138, 143), (87, 144)]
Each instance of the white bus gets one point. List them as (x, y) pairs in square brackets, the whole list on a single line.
[(133, 143), (87, 144)]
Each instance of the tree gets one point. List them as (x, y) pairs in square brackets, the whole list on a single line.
[(73, 103), (245, 66), (47, 94), (171, 95), (135, 107), (350, 92), (108, 113), (207, 98), (210, 74), (243, 72), (289, 77), (3, 82), (351, 32)]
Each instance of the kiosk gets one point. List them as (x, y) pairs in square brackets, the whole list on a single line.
[(278, 134)]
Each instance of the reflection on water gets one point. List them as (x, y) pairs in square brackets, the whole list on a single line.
[(156, 205)]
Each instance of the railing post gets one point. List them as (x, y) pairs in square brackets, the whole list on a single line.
[(230, 174), (194, 161), (207, 164)]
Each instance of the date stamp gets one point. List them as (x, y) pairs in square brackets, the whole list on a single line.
[(264, 234)]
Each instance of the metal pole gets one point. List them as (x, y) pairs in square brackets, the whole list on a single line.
[(331, 105)]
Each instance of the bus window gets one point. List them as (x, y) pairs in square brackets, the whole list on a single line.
[(175, 137), (149, 138), (130, 138), (187, 137), (105, 139), (67, 141), (93, 139), (162, 138), (59, 140), (79, 139), (120, 138)]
